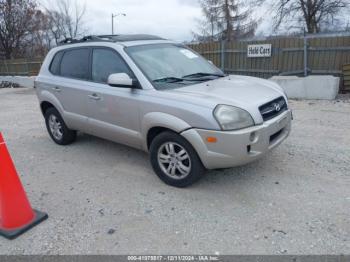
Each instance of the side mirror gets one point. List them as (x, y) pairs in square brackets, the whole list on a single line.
[(211, 62), (122, 80)]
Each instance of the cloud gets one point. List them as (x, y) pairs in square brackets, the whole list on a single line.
[(173, 19)]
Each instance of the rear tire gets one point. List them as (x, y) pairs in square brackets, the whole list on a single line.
[(57, 129), (175, 161)]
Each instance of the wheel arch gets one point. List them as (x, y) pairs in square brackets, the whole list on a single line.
[(155, 123), (44, 106), (48, 100), (154, 132)]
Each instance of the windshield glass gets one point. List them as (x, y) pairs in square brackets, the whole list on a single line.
[(172, 66)]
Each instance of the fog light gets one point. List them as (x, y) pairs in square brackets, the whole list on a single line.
[(252, 137)]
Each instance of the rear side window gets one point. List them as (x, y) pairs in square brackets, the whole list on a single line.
[(106, 62), (75, 64), (55, 64)]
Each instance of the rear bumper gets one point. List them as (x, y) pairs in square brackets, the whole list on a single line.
[(236, 148)]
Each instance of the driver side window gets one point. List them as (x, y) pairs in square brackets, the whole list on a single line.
[(106, 62)]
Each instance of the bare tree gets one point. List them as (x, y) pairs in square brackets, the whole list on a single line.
[(39, 40), (226, 19), (17, 22), (314, 15), (66, 19), (347, 27), (209, 26), (27, 31)]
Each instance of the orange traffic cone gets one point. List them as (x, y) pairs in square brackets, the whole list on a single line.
[(16, 213)]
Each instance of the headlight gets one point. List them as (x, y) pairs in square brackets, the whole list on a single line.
[(232, 118)]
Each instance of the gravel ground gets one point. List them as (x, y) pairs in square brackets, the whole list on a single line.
[(103, 198)]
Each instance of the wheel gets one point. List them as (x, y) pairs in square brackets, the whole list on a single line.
[(175, 161), (57, 129)]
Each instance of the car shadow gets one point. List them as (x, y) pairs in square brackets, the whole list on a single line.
[(140, 159)]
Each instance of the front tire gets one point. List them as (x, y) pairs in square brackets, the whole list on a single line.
[(175, 161), (57, 129)]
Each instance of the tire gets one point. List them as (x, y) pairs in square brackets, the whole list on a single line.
[(170, 151), (63, 135)]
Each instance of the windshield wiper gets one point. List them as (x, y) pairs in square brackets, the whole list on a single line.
[(173, 79), (170, 79), (191, 77), (200, 74)]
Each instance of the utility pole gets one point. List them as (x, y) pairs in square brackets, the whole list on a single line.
[(113, 16), (305, 53), (112, 24), (305, 49)]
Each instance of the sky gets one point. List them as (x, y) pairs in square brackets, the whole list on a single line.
[(172, 19)]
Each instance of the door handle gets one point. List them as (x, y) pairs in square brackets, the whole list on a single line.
[(95, 97), (56, 89)]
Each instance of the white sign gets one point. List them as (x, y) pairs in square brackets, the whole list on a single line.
[(259, 50)]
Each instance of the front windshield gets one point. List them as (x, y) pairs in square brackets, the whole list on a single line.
[(172, 66)]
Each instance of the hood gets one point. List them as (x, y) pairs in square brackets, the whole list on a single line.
[(241, 91)]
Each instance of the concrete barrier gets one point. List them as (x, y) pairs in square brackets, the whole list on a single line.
[(20, 80), (311, 87)]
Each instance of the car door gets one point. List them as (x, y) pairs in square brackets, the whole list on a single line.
[(72, 74), (113, 111)]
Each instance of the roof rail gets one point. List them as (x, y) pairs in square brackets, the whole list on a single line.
[(90, 38), (126, 38), (110, 38), (67, 41)]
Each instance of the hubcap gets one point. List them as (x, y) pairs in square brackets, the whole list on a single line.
[(55, 127), (174, 160)]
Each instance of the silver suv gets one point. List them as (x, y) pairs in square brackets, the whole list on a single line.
[(161, 97)]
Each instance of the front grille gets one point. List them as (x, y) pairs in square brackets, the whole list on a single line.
[(273, 108)]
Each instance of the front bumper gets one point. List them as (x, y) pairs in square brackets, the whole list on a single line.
[(236, 148)]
